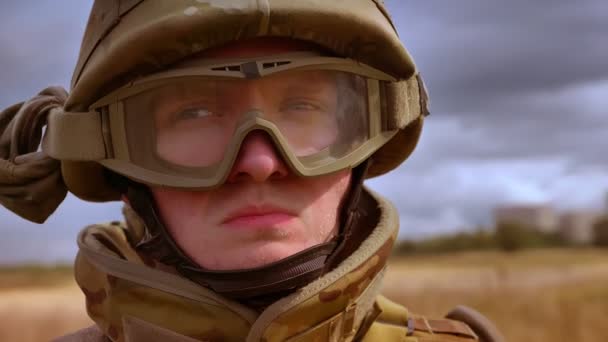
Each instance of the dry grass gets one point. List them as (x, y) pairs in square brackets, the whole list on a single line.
[(40, 314), (38, 303), (558, 295), (34, 276)]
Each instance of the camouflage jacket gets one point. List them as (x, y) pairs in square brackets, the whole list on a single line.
[(133, 299)]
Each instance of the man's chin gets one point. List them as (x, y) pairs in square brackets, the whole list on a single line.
[(262, 254)]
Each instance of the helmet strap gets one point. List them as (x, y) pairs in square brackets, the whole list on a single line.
[(261, 286)]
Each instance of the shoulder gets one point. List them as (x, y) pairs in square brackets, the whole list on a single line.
[(395, 322), (90, 334)]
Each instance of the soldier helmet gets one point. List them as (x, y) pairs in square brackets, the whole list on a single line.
[(126, 39), (133, 48)]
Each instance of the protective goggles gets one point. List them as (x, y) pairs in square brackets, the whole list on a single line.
[(184, 127)]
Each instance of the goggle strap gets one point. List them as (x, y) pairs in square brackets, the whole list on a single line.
[(405, 102), (74, 136)]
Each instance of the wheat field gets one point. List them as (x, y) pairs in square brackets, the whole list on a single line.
[(548, 295), (536, 296)]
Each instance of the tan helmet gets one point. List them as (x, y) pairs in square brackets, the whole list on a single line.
[(126, 39)]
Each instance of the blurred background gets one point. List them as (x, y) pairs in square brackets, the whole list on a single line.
[(502, 206)]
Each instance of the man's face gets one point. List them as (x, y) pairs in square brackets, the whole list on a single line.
[(263, 212)]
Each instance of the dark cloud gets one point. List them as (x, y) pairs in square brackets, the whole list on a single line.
[(511, 79), (518, 92), (494, 47)]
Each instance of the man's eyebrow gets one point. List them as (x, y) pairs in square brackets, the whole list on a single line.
[(308, 85)]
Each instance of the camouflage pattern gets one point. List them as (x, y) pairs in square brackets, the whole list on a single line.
[(110, 300), (131, 306)]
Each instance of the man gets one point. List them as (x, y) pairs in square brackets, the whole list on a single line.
[(238, 134)]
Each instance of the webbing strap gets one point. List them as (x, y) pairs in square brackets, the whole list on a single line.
[(441, 326), (74, 136), (482, 326), (406, 101)]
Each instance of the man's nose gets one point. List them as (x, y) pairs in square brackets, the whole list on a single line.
[(258, 160)]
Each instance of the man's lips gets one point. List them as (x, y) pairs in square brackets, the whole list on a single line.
[(256, 217)]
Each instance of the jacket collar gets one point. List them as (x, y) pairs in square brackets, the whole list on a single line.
[(130, 298)]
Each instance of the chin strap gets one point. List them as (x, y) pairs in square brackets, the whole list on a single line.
[(256, 287), (360, 214)]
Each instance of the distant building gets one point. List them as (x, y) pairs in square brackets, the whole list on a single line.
[(577, 226), (541, 217)]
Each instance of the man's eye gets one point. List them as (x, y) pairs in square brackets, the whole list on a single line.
[(301, 106), (193, 113)]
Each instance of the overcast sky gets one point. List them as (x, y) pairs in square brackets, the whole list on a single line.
[(519, 92)]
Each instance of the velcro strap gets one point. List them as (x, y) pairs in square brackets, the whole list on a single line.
[(74, 136), (441, 326), (406, 101)]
